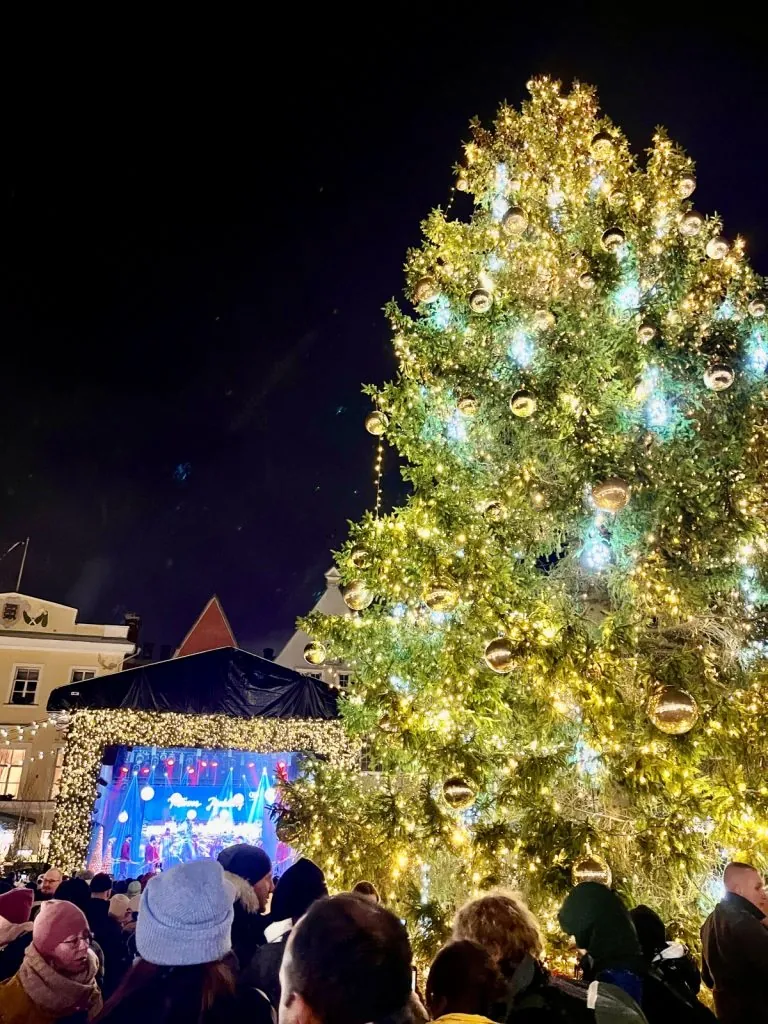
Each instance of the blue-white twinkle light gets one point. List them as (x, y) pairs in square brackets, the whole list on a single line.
[(521, 349), (596, 552), (757, 358)]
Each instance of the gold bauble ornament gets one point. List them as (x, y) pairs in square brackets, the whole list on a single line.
[(717, 248), (686, 186), (498, 655), (756, 308), (467, 405), (425, 290), (617, 197), (360, 557), (691, 223), (646, 332), (462, 184), (612, 495), (612, 239), (458, 793), (523, 404), (480, 301), (586, 281), (441, 596), (376, 422), (673, 710), (357, 596), (719, 377), (494, 512), (315, 653), (601, 146), (591, 868), (543, 320), (514, 221)]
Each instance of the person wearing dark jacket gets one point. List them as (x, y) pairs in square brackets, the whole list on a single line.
[(735, 947), (301, 885), (106, 932), (249, 870), (15, 929), (600, 924)]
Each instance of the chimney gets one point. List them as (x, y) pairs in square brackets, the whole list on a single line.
[(133, 622)]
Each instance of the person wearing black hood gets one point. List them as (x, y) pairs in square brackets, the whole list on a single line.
[(601, 926), (249, 870), (300, 886)]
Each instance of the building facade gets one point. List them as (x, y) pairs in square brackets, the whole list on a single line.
[(42, 646), (334, 673)]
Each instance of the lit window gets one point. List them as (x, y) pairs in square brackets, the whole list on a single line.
[(11, 767), (25, 685), (57, 769), (10, 612), (79, 674)]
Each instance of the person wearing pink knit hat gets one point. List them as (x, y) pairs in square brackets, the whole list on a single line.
[(58, 975)]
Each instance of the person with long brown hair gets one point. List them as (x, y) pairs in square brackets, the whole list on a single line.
[(184, 974)]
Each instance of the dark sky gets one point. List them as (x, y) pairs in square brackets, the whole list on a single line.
[(200, 227)]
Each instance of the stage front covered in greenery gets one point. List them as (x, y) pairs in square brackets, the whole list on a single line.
[(223, 700)]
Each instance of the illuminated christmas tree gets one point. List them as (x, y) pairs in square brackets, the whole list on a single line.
[(557, 640)]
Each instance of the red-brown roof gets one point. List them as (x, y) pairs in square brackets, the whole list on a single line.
[(210, 632)]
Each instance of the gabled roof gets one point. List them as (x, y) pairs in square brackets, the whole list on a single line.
[(331, 603), (224, 681), (210, 631)]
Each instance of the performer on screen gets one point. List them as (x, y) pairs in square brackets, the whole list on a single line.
[(152, 855), (166, 849), (125, 858)]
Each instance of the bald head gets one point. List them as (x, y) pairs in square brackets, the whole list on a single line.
[(745, 881), (50, 881)]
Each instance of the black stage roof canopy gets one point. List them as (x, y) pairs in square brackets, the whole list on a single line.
[(226, 681)]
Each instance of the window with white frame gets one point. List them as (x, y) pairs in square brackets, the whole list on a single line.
[(343, 678), (25, 680), (57, 769), (11, 767), (79, 674)]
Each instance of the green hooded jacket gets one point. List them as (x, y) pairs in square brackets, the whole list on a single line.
[(600, 923)]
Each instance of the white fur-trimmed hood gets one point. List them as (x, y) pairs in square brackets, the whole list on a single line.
[(244, 892)]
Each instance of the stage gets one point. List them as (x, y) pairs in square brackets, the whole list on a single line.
[(161, 806)]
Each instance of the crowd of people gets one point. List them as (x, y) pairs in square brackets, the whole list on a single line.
[(211, 941)]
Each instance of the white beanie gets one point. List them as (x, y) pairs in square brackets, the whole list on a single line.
[(186, 915), (118, 906)]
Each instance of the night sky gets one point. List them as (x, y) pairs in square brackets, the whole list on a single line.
[(199, 234)]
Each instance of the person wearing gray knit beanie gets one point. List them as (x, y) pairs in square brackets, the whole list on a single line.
[(185, 916)]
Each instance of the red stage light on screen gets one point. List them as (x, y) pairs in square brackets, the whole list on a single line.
[(169, 761), (204, 764), (124, 768), (191, 770), (250, 764), (214, 764), (145, 771)]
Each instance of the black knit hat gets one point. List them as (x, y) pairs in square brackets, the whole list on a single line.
[(300, 886), (249, 862)]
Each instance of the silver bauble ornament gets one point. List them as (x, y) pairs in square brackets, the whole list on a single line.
[(756, 308), (691, 223), (498, 655), (458, 793), (543, 320), (494, 511), (523, 404), (376, 422), (717, 248), (480, 301), (425, 290), (601, 145), (719, 377), (611, 495), (612, 239), (686, 186), (441, 596), (515, 220), (357, 596), (586, 281), (360, 557), (467, 405), (591, 868), (646, 332), (673, 710), (315, 653)]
